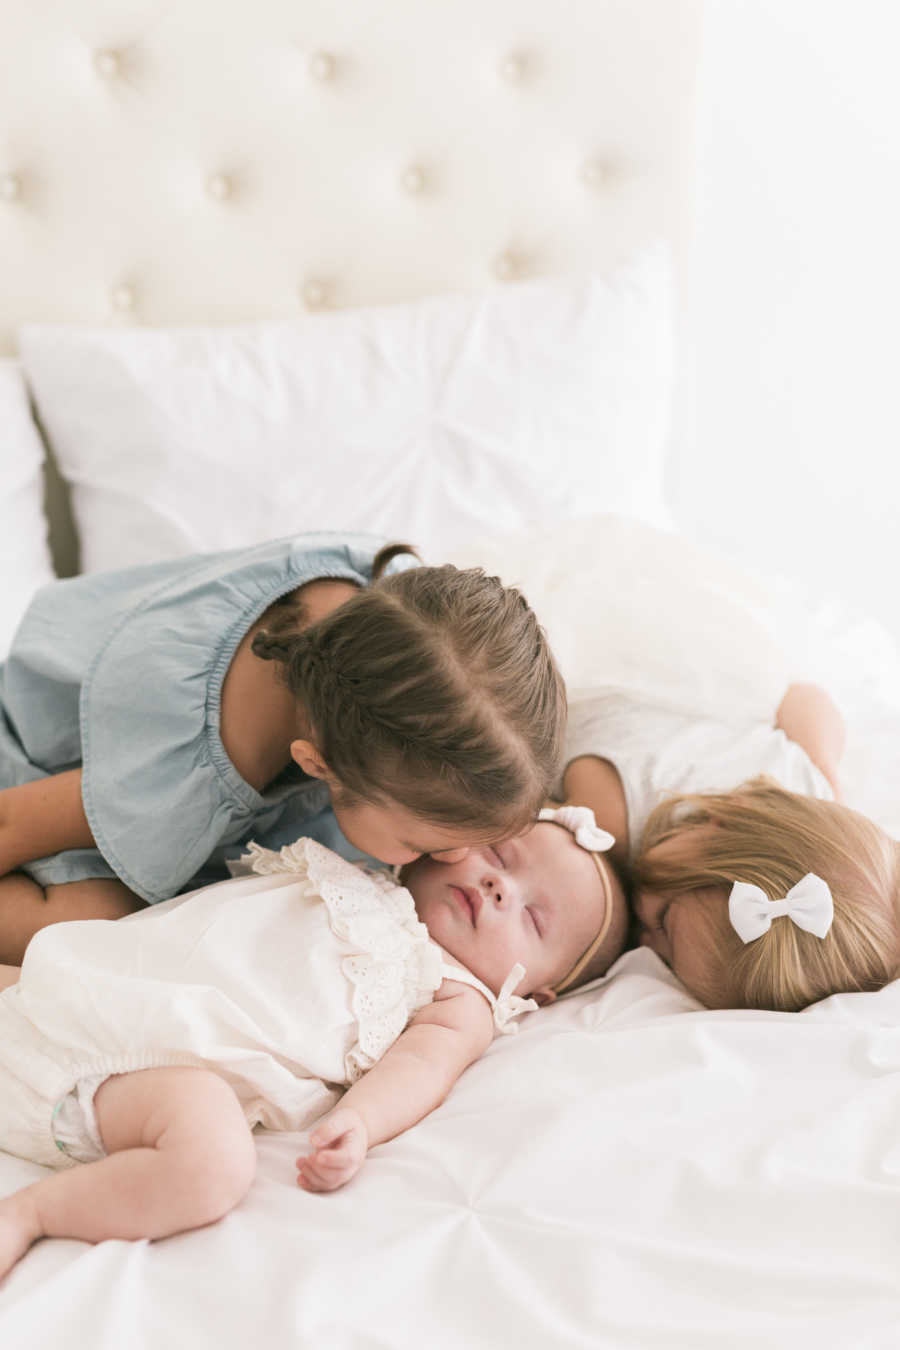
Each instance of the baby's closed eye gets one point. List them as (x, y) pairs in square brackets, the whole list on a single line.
[(537, 920)]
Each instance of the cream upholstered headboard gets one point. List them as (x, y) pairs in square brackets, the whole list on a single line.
[(182, 161)]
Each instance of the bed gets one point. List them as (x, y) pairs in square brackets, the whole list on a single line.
[(419, 269)]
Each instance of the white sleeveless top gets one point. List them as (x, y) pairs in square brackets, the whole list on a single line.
[(659, 750)]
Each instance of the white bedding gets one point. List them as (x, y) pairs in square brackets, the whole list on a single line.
[(629, 1171)]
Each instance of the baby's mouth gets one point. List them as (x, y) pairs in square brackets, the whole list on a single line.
[(469, 900)]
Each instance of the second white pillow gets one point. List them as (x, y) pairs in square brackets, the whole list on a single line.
[(532, 403)]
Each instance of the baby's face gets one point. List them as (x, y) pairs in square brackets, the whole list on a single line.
[(537, 898)]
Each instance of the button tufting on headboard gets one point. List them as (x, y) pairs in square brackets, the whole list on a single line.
[(598, 173), (122, 298), (517, 66), (316, 293), (108, 63), (322, 66), (358, 154), (508, 265), (414, 179), (220, 186)]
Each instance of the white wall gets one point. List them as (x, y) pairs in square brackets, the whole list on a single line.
[(790, 461)]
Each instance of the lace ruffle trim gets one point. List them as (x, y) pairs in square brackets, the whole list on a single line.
[(394, 969)]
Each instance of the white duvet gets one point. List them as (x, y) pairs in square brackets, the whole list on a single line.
[(629, 1171)]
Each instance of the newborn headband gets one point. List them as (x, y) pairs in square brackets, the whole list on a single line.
[(580, 822)]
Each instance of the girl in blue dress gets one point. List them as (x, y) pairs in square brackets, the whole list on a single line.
[(152, 720)]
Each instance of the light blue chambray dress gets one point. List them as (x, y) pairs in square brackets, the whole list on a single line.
[(121, 673)]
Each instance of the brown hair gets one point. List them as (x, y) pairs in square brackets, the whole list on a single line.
[(434, 688), (769, 837)]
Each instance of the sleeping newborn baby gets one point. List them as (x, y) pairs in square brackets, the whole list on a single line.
[(147, 1048)]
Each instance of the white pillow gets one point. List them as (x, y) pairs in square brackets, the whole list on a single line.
[(537, 401), (24, 555)]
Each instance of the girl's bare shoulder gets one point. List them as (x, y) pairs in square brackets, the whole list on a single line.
[(595, 782)]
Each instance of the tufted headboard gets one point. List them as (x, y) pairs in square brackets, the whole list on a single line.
[(178, 161)]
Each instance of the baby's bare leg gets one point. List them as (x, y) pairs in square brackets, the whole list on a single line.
[(26, 907), (180, 1156)]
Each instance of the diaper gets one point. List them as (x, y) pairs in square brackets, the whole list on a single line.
[(74, 1122), (46, 1105)]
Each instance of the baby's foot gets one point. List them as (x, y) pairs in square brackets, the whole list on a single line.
[(19, 1228)]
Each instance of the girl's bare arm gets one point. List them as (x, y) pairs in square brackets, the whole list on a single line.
[(809, 716), (42, 817), (9, 975), (412, 1078)]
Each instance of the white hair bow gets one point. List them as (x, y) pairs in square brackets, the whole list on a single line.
[(808, 904), (579, 820)]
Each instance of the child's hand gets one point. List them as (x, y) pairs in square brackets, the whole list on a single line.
[(339, 1143)]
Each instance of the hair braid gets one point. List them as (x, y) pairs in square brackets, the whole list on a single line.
[(434, 688)]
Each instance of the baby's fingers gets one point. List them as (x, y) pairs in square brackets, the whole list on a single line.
[(328, 1161), (315, 1174), (310, 1179)]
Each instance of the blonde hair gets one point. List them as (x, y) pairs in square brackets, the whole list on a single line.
[(695, 847), (433, 688)]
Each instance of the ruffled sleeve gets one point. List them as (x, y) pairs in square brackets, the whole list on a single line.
[(159, 791), (391, 963)]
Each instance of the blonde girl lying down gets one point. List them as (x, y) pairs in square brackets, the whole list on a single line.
[(136, 1055), (762, 898), (765, 893)]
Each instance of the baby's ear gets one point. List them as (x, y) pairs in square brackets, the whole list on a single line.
[(310, 760), (543, 996)]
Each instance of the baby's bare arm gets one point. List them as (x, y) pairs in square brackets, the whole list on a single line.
[(411, 1079), (180, 1155), (809, 716)]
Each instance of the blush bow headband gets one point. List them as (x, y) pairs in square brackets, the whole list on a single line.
[(808, 904)]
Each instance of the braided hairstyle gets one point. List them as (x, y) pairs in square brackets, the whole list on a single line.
[(435, 689)]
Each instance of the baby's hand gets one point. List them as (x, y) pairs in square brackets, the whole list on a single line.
[(339, 1143)]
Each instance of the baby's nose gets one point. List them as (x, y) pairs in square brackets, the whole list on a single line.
[(496, 892)]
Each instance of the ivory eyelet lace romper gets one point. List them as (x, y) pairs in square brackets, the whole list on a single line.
[(121, 673), (289, 983)]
